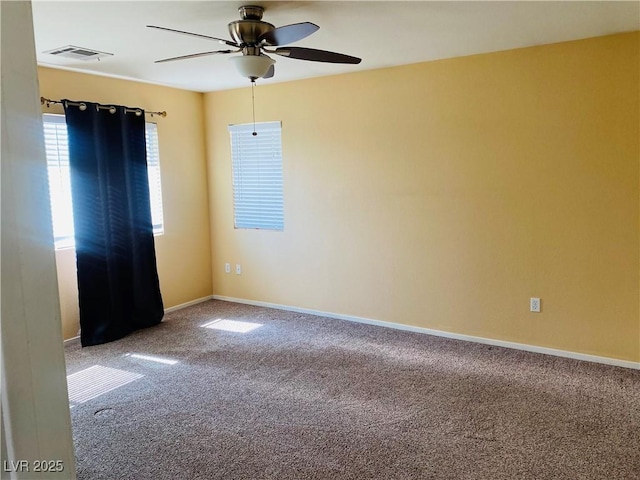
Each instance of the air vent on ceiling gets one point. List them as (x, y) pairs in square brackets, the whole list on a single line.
[(78, 53)]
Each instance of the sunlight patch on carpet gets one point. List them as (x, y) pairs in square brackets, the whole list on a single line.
[(95, 381), (152, 358), (232, 325)]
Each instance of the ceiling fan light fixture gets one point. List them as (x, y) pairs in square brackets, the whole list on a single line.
[(253, 66), (251, 36)]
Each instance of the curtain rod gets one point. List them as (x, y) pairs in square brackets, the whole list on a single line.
[(137, 111)]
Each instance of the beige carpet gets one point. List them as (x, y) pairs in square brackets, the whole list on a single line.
[(306, 397)]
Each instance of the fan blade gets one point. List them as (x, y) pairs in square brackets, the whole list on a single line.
[(316, 55), (288, 33), (270, 73), (193, 55), (221, 40)]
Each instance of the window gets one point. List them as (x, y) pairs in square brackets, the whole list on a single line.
[(57, 150), (153, 171), (257, 176)]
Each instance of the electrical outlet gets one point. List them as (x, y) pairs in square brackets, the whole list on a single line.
[(535, 304), (238, 269), (227, 268)]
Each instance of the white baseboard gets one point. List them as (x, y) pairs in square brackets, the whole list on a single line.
[(74, 340), (187, 304), (71, 341), (440, 333)]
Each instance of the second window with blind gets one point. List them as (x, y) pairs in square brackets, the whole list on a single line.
[(258, 201)]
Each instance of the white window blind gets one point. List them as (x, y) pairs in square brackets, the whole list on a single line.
[(153, 171), (257, 176), (57, 151)]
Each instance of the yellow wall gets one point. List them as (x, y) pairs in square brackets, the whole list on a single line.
[(183, 251), (445, 194)]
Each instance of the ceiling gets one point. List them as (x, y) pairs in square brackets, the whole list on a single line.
[(383, 34)]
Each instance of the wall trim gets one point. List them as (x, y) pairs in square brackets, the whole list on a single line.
[(441, 333), (74, 340), (71, 341), (187, 304)]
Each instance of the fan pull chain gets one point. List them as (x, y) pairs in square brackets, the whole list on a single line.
[(253, 106)]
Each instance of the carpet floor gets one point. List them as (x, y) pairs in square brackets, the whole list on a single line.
[(227, 391)]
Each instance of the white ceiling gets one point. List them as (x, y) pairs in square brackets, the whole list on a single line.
[(383, 34)]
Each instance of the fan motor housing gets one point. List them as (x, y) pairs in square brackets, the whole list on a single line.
[(247, 32)]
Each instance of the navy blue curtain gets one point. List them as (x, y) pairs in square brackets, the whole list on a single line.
[(115, 252)]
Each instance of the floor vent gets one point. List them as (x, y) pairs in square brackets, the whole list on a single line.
[(78, 53)]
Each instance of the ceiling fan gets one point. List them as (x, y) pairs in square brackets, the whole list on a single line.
[(252, 36)]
